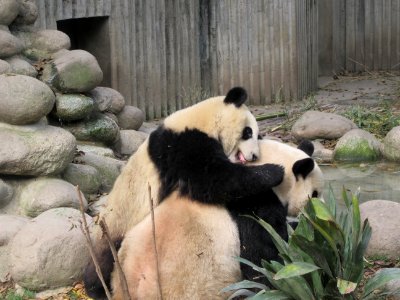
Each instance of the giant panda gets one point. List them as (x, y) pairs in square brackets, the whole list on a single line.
[(197, 241), (194, 152)]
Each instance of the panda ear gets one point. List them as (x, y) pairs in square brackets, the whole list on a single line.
[(303, 167), (307, 147), (237, 96)]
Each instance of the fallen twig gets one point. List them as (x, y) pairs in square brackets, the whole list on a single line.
[(154, 242), (85, 230), (271, 116), (122, 278)]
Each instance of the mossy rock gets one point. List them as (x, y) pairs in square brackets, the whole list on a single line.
[(73, 107)]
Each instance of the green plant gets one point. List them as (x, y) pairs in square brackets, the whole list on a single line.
[(22, 295), (323, 258)]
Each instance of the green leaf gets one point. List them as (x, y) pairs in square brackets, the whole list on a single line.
[(380, 279), (245, 284), (271, 295), (250, 264), (345, 287), (331, 201), (295, 269), (321, 211), (241, 293), (345, 197)]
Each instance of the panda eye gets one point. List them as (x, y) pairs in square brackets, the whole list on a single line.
[(314, 194), (259, 137), (247, 133)]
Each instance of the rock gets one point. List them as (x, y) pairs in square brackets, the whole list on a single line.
[(315, 124), (75, 72), (357, 145), (35, 149), (27, 13), (4, 67), (107, 99), (147, 127), (9, 44), (95, 149), (10, 225), (129, 141), (321, 154), (391, 144), (72, 107), (108, 168), (6, 193), (111, 116), (44, 193), (41, 44), (384, 219), (50, 251), (23, 99), (130, 117), (98, 128), (21, 66), (8, 11), (87, 177)]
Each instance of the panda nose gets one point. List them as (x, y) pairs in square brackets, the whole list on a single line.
[(254, 158)]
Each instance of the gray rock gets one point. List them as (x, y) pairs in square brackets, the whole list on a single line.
[(6, 193), (384, 219), (129, 141), (74, 72), (98, 128), (27, 13), (35, 149), (50, 251), (321, 154), (21, 66), (108, 168), (97, 206), (73, 107), (23, 99), (41, 44), (95, 149), (391, 144), (10, 225), (130, 117), (9, 44), (147, 127), (111, 116), (4, 67), (357, 145), (315, 124), (44, 193), (107, 99), (8, 11), (87, 177)]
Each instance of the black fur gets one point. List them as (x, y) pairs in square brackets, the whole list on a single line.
[(92, 283), (307, 147), (255, 242), (237, 96), (303, 167), (197, 166)]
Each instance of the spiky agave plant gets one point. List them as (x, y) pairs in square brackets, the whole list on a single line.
[(323, 259)]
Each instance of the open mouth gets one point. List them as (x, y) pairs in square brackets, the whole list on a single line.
[(240, 157)]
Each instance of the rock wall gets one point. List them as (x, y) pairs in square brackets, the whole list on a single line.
[(58, 129)]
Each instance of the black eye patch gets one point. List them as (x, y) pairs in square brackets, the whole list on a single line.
[(247, 133), (315, 194)]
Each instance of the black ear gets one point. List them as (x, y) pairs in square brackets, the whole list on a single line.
[(307, 147), (303, 167), (237, 96)]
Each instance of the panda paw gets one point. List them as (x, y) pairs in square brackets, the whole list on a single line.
[(270, 175)]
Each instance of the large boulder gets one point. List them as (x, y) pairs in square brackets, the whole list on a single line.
[(95, 149), (87, 177), (129, 141), (6, 193), (130, 117), (391, 144), (46, 193), (107, 99), (10, 225), (21, 66), (320, 125), (384, 219), (41, 44), (27, 13), (35, 149), (50, 251), (357, 145), (8, 11), (23, 99), (9, 44), (72, 107), (4, 67), (76, 71)]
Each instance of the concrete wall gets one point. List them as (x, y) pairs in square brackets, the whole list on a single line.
[(167, 54)]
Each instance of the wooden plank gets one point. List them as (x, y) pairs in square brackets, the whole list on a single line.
[(132, 62), (267, 46), (368, 37), (162, 57), (293, 51), (385, 34)]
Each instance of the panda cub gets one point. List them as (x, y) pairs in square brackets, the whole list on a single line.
[(197, 242), (192, 155)]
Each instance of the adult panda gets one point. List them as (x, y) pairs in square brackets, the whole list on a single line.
[(197, 242), (193, 153)]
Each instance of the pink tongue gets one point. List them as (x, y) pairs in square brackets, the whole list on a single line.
[(241, 158)]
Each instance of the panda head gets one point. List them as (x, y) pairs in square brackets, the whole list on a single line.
[(303, 178), (225, 118)]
